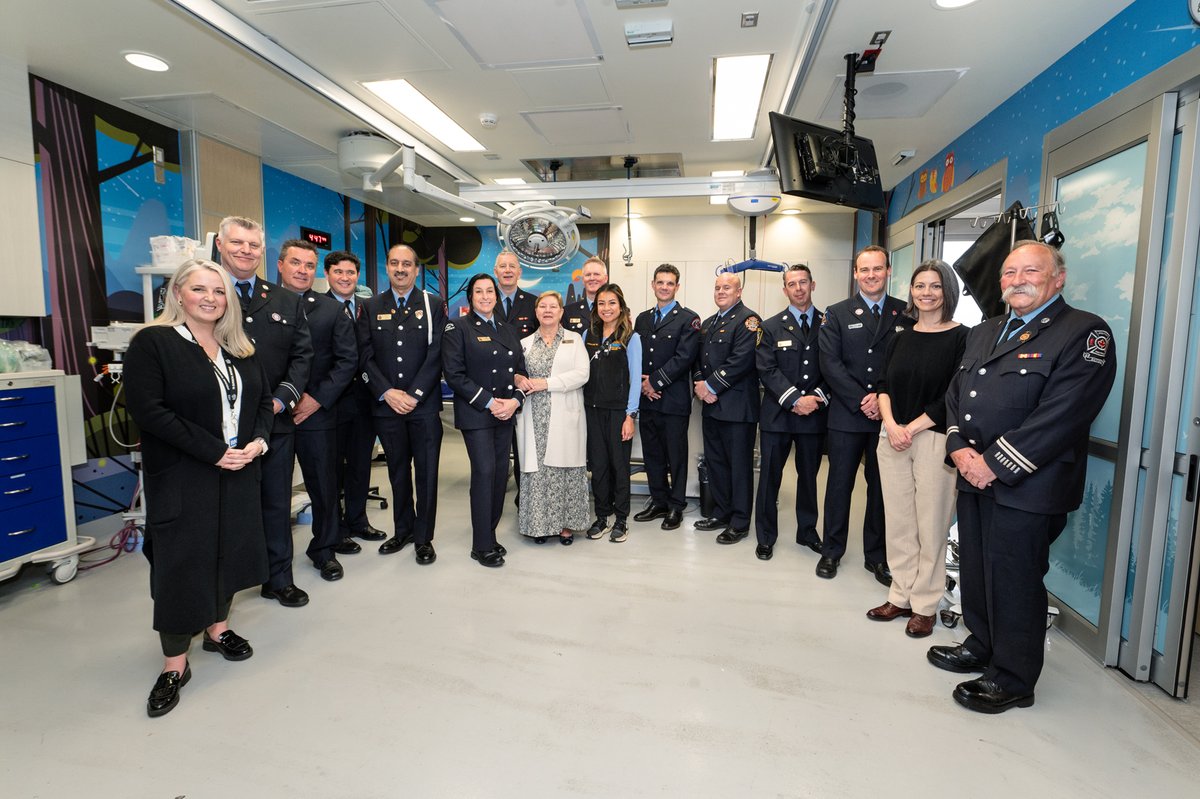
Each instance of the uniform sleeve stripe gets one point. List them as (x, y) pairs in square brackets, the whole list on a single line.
[(783, 397), (821, 394), (477, 393), (290, 388), (1011, 451), (952, 430), (724, 382)]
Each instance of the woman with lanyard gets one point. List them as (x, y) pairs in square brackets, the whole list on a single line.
[(484, 367), (202, 404), (611, 398)]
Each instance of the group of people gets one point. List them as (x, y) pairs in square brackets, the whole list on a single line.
[(228, 394)]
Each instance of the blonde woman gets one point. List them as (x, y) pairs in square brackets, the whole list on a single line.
[(202, 404)]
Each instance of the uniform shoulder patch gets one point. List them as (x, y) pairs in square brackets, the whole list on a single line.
[(1096, 349), (449, 326), (695, 323), (752, 323)]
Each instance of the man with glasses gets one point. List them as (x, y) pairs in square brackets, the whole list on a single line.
[(275, 323)]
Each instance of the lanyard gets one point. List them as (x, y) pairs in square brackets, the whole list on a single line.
[(228, 378)]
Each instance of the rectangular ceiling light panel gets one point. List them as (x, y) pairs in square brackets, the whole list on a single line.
[(404, 97), (738, 84)]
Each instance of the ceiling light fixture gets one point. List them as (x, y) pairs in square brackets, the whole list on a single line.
[(466, 219), (509, 181), (790, 211), (738, 83), (151, 63), (632, 215), (728, 173), (404, 98), (718, 199), (950, 5)]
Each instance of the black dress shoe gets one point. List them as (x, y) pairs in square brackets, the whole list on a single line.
[(289, 596), (425, 554), (490, 559), (503, 552), (710, 524), (764, 551), (827, 568), (164, 696), (369, 533), (672, 520), (330, 570), (231, 645), (814, 544), (347, 546), (956, 658), (728, 536), (985, 696), (651, 513), (394, 544), (883, 574)]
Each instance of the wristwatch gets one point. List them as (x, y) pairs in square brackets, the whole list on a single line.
[(262, 443)]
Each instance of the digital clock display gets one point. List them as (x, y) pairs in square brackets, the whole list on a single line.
[(318, 238)]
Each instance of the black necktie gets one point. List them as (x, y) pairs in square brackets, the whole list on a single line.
[(399, 303), (350, 308), (875, 312), (657, 316), (1013, 326), (507, 307), (804, 325), (492, 322), (244, 291)]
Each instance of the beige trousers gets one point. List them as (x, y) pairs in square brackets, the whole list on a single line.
[(918, 504)]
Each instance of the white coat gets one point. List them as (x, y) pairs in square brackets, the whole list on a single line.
[(567, 444)]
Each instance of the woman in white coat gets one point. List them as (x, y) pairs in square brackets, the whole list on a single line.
[(551, 434)]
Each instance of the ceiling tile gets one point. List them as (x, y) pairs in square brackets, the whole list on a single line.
[(891, 95), (583, 126), (522, 33), (563, 87)]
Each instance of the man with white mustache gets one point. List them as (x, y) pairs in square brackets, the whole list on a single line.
[(1018, 413)]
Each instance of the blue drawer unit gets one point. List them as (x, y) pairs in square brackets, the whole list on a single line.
[(36, 506)]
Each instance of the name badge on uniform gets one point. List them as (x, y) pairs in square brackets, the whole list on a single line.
[(854, 326), (383, 317), (485, 338), (574, 321), (784, 343), (567, 341)]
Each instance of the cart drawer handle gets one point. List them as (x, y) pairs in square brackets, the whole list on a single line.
[(17, 398), (11, 458), (23, 532), (12, 424), (24, 490)]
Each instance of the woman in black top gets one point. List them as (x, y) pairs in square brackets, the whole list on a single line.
[(203, 406), (918, 486), (611, 397), (485, 367)]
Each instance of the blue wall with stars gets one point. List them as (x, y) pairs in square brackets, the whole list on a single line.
[(1134, 43)]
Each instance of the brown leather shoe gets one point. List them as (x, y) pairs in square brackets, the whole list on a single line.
[(887, 612), (919, 626)]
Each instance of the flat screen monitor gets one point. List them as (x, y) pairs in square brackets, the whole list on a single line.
[(814, 162)]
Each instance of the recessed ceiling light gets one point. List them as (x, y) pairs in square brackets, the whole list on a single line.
[(509, 181), (738, 83), (632, 215), (951, 4), (466, 219), (728, 173), (148, 62), (790, 211), (404, 97), (718, 199)]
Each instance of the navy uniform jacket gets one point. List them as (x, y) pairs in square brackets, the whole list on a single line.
[(403, 349), (668, 353), (335, 356), (577, 317), (355, 399), (726, 362), (1027, 405), (481, 364), (522, 316), (275, 323), (853, 350), (789, 368)]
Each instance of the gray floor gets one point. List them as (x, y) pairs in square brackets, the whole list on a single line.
[(665, 666)]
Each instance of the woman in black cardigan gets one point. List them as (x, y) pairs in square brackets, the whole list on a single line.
[(201, 401)]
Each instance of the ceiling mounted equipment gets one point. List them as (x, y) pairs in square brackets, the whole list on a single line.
[(542, 236)]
